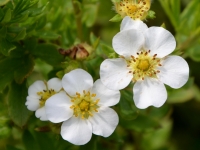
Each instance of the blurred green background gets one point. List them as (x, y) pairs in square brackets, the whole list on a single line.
[(62, 24)]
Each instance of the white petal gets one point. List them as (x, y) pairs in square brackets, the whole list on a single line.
[(115, 74), (58, 108), (77, 131), (54, 83), (149, 92), (128, 42), (107, 97), (32, 103), (174, 71), (41, 113), (128, 23), (159, 41), (37, 86), (104, 122), (77, 81)]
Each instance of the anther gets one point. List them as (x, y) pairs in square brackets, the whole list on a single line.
[(154, 55), (159, 65), (130, 72), (149, 51)]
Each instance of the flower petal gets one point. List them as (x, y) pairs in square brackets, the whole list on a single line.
[(58, 108), (128, 42), (128, 23), (77, 81), (104, 122), (55, 84), (149, 92), (41, 114), (159, 41), (115, 74), (76, 130), (174, 71), (37, 86), (32, 103), (107, 97)]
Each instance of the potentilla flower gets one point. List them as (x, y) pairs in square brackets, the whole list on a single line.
[(84, 109), (143, 59), (39, 92), (133, 9)]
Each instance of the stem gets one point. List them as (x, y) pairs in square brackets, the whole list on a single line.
[(78, 16)]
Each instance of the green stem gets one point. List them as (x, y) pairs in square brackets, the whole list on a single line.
[(78, 15)]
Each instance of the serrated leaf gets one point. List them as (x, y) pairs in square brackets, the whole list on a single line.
[(48, 53), (7, 16), (21, 73), (16, 104), (6, 47), (116, 18)]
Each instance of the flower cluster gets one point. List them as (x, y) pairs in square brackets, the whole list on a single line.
[(83, 106)]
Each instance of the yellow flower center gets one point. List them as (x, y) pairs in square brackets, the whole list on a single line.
[(133, 9), (45, 94), (143, 65), (84, 105)]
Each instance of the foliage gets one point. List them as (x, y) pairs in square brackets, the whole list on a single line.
[(37, 39)]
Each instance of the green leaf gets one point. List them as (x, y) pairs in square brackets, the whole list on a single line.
[(141, 123), (3, 2), (16, 104), (29, 141), (7, 16), (48, 53), (37, 11), (47, 35), (21, 73), (194, 52), (116, 18), (127, 110), (172, 9), (6, 47), (6, 72), (21, 35), (108, 51), (3, 32), (190, 18), (20, 18), (90, 14), (181, 95)]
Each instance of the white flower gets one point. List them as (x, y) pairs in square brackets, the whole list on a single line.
[(144, 60), (85, 110), (38, 93)]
